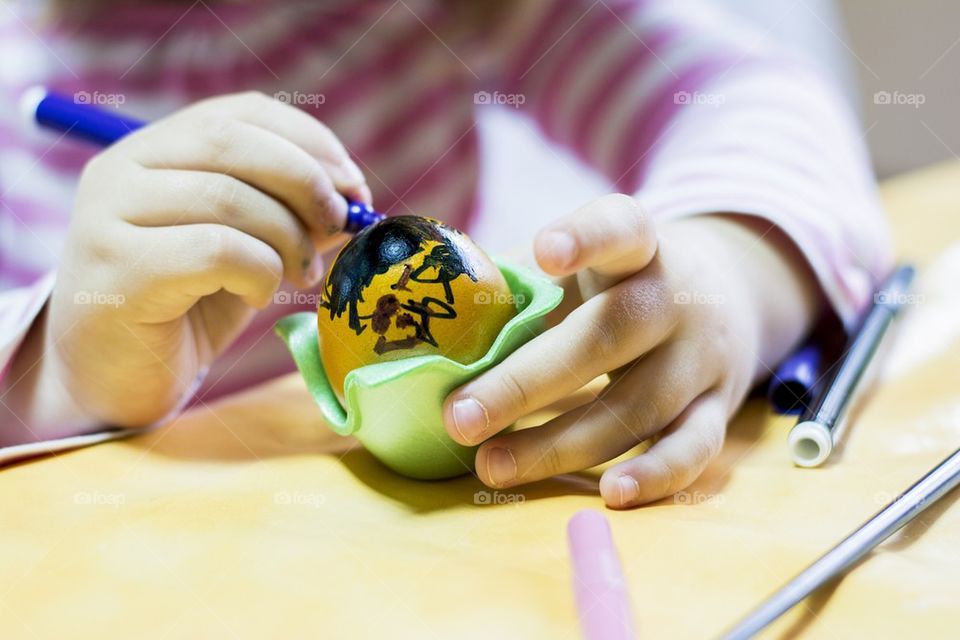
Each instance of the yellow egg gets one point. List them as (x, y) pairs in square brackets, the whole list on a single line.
[(409, 286)]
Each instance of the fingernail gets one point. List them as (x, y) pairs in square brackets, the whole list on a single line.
[(469, 418), (629, 489), (560, 246), (501, 466)]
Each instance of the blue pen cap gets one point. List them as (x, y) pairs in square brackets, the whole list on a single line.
[(791, 387), (360, 216)]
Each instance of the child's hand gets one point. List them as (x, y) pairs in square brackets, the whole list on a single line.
[(180, 231), (682, 328)]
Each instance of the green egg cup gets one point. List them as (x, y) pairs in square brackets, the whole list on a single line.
[(395, 408)]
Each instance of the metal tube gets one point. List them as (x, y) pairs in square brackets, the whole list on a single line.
[(937, 483)]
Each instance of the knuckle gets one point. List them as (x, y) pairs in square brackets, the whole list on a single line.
[(101, 249), (723, 341), (642, 416), (667, 479), (219, 136), (512, 388), (701, 452), (712, 441), (604, 341), (305, 172), (217, 246), (224, 198), (552, 462), (310, 175)]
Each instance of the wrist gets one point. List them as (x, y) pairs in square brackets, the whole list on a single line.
[(773, 293), (38, 405)]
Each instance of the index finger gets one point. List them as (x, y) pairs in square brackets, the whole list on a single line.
[(300, 128), (606, 332), (265, 161)]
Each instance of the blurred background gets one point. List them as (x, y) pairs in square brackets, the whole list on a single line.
[(896, 61)]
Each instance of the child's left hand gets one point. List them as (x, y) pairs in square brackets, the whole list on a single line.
[(681, 320)]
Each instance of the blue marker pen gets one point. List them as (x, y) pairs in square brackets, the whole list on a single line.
[(791, 388), (103, 127)]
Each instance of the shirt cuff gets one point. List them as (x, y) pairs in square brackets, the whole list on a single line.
[(19, 309)]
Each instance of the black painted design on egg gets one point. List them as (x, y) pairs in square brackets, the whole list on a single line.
[(373, 252)]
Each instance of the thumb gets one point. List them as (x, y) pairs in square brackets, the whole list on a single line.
[(612, 237)]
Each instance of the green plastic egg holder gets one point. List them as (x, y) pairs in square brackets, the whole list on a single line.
[(395, 408)]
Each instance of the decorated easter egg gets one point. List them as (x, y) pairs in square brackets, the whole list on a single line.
[(409, 286)]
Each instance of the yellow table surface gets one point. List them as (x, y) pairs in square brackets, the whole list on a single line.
[(247, 518)]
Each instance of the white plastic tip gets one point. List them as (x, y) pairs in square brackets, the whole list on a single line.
[(29, 102), (810, 444)]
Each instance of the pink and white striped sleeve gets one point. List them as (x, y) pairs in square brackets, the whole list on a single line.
[(695, 113)]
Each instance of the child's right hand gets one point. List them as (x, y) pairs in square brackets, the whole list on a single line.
[(180, 232)]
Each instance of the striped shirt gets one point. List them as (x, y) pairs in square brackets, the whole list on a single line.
[(675, 102)]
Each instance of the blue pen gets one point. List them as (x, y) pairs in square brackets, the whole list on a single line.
[(102, 127), (791, 388)]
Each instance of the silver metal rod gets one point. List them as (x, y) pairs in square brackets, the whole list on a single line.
[(930, 488), (816, 432)]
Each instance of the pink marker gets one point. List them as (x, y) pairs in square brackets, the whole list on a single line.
[(602, 599)]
